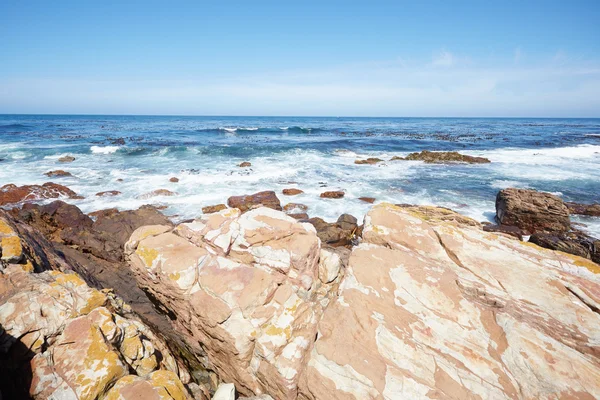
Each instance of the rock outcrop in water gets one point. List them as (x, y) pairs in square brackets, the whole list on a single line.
[(592, 210), (428, 306), (532, 211), (13, 194), (267, 198), (443, 157)]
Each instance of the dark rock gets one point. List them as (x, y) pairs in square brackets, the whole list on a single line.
[(117, 141), (213, 209), (292, 192), (347, 222), (108, 193), (576, 242), (345, 232), (506, 229), (299, 216), (369, 161), (244, 203), (532, 210), (58, 173), (369, 200), (291, 207), (334, 194), (592, 210), (12, 194), (444, 157)]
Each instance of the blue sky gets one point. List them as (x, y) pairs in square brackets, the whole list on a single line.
[(333, 58)]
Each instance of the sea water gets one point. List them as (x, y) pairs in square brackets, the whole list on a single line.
[(561, 156)]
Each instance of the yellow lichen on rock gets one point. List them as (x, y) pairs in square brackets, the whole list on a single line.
[(160, 385), (148, 255)]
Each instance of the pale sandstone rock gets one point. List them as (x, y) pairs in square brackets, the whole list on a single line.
[(241, 286), (225, 391), (329, 265), (438, 308)]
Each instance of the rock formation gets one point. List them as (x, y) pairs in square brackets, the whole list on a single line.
[(428, 306), (443, 157), (12, 194), (244, 203)]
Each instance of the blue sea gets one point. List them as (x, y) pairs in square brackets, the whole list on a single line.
[(138, 154)]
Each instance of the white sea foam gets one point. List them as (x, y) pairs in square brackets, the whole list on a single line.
[(104, 149)]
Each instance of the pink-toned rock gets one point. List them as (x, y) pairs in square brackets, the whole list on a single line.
[(12, 194), (241, 285), (159, 385), (244, 203), (369, 200), (433, 307), (174, 180)]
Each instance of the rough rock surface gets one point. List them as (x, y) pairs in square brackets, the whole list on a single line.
[(428, 306), (333, 194), (577, 243), (532, 210), (443, 157), (292, 192), (12, 194), (61, 339), (344, 232), (369, 161), (434, 308), (213, 209), (592, 210), (57, 173), (242, 287), (244, 203)]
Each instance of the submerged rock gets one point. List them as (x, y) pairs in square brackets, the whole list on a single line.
[(157, 192), (66, 159), (369, 161), (57, 173), (108, 193), (532, 210), (244, 203), (12, 194), (443, 157), (369, 200)]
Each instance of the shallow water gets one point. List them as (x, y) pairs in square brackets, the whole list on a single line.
[(561, 156)]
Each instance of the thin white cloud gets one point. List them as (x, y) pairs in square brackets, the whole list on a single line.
[(390, 88), (443, 59)]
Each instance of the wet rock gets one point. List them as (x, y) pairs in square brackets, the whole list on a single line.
[(397, 158), (292, 192), (66, 159), (156, 193), (532, 210), (506, 229), (174, 180), (245, 164), (299, 216), (106, 211), (117, 141), (369, 200), (333, 194), (213, 209), (369, 161), (108, 193), (244, 203), (57, 174), (592, 210), (443, 157), (12, 194), (295, 207)]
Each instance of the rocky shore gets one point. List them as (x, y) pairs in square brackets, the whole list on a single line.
[(255, 299)]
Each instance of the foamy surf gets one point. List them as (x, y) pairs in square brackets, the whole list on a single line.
[(104, 150)]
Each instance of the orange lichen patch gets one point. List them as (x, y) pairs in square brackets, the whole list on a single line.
[(5, 229), (175, 276), (73, 279), (97, 299), (273, 330), (169, 384), (11, 248), (28, 267), (590, 265), (148, 255)]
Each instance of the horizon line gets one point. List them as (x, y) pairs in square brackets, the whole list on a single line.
[(282, 116)]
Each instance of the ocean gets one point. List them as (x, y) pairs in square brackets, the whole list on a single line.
[(561, 156)]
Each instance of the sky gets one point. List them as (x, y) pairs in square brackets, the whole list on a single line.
[(313, 58)]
